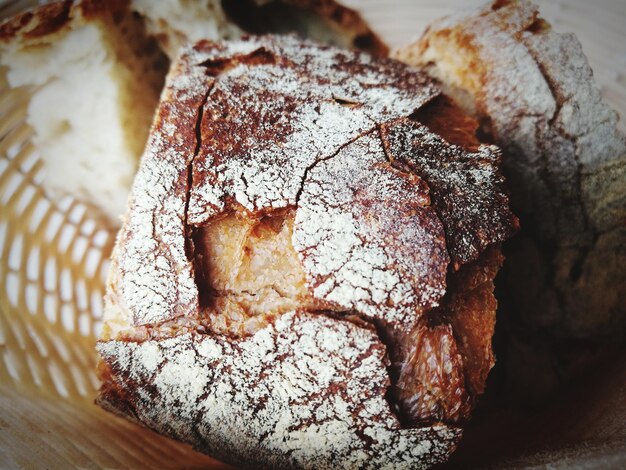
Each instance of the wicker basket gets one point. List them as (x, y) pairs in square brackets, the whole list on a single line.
[(55, 257)]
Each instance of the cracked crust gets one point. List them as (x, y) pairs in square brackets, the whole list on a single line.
[(292, 406), (272, 223), (534, 92), (467, 188), (441, 366), (368, 237), (265, 126)]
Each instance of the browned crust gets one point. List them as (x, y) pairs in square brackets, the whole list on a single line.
[(533, 89), (471, 310), (441, 367), (259, 18), (36, 22), (347, 20), (273, 124), (272, 411), (445, 118), (467, 189), (52, 18)]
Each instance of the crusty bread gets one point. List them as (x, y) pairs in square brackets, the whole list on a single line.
[(94, 73), (534, 93), (292, 228), (94, 80), (177, 22), (325, 21)]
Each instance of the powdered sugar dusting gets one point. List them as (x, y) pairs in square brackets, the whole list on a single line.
[(305, 392)]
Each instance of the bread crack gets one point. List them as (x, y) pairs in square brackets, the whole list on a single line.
[(309, 253), (553, 179), (323, 159)]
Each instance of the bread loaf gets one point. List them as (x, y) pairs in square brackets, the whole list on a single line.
[(304, 274), (534, 94)]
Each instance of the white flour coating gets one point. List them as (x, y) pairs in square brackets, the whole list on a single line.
[(272, 177), (582, 134), (368, 239), (151, 279), (547, 111), (307, 101), (307, 392), (564, 156), (265, 124), (467, 188)]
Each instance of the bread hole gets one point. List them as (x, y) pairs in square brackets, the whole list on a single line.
[(248, 272)]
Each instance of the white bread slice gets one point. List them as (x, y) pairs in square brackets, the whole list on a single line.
[(94, 80)]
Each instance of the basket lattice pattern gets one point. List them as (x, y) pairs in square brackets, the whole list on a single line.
[(53, 266)]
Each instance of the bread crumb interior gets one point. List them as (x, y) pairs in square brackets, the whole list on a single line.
[(248, 272)]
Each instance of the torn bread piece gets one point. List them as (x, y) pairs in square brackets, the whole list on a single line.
[(304, 276), (94, 79), (534, 94)]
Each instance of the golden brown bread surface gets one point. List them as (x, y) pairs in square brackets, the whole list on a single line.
[(293, 228), (534, 93)]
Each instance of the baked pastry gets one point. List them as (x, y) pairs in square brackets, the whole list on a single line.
[(94, 80), (304, 274), (94, 72), (533, 91)]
